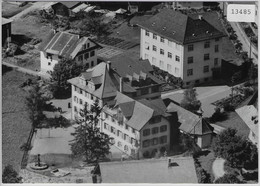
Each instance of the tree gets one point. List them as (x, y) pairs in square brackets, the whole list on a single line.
[(228, 178), (64, 70), (10, 175), (88, 141), (235, 149), (35, 102), (190, 101)]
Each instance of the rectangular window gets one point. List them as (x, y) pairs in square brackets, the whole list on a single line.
[(146, 132), (80, 58), (177, 58), (132, 141), (155, 130), (146, 143), (75, 88), (86, 55), (216, 48), (169, 68), (162, 39), (190, 60), (80, 101), (80, 91), (154, 36), (217, 39), (126, 126), (105, 126), (133, 130), (92, 63), (147, 33), (163, 139), (49, 63), (216, 62), (206, 69), (154, 141), (84, 46), (75, 98), (92, 53), (189, 72), (190, 48), (161, 64), (88, 45), (206, 56), (146, 56), (162, 51), (154, 48), (113, 130), (92, 97), (155, 119), (169, 55), (163, 128), (75, 109), (207, 44)]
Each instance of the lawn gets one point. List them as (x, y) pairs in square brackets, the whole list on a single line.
[(11, 9), (15, 122), (234, 121)]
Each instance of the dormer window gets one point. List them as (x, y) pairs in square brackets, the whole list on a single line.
[(88, 45), (84, 47)]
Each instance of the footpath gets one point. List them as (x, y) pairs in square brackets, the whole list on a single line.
[(218, 168)]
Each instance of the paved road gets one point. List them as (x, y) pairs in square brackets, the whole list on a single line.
[(218, 168)]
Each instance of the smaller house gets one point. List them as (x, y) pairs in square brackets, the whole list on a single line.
[(193, 125), (6, 30), (181, 170), (60, 45), (249, 115), (64, 8)]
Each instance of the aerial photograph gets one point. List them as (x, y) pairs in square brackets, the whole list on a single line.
[(129, 92)]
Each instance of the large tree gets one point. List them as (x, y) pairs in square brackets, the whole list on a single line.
[(190, 101), (228, 178), (64, 70), (234, 148), (10, 175), (35, 103), (89, 142)]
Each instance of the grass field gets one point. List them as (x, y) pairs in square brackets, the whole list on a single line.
[(10, 9), (15, 122), (206, 162)]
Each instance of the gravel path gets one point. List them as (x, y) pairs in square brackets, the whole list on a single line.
[(218, 168)]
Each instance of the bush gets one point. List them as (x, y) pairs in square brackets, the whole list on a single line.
[(218, 115), (228, 178), (203, 176), (228, 107), (10, 175)]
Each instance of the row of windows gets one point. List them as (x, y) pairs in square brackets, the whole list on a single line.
[(107, 116), (205, 70), (126, 148), (169, 68), (162, 39), (119, 133), (88, 95), (155, 141), (86, 55), (206, 45), (177, 58), (154, 130)]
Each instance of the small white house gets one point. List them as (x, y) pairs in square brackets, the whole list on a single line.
[(60, 45)]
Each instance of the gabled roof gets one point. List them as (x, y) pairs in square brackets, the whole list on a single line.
[(180, 28), (190, 122), (249, 115), (127, 108), (63, 44), (157, 105), (70, 4)]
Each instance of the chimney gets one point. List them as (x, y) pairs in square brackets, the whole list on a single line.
[(121, 84), (200, 17), (108, 65)]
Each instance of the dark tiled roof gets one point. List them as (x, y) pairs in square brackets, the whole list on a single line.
[(190, 122), (157, 105), (63, 44), (180, 28), (69, 4)]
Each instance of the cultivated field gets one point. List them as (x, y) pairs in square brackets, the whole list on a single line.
[(11, 9), (15, 121)]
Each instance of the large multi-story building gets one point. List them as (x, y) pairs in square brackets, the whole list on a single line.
[(133, 112), (60, 45), (185, 47)]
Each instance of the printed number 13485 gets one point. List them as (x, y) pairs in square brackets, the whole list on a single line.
[(241, 11)]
